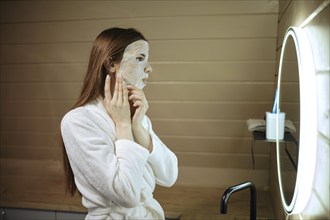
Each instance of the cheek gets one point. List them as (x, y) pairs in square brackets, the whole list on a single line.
[(132, 72)]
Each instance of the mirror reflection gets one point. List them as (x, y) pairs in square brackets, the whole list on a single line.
[(290, 104)]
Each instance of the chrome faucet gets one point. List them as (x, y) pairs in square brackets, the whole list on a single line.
[(239, 187)]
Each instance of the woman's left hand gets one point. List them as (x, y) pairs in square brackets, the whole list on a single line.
[(141, 135), (137, 96)]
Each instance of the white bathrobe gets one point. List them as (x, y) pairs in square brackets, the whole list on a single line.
[(115, 177)]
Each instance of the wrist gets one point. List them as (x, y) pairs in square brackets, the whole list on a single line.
[(137, 126), (124, 131), (123, 126)]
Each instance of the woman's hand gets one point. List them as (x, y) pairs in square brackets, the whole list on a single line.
[(141, 106), (118, 107), (141, 135)]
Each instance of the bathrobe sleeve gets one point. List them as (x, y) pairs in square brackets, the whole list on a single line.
[(162, 159), (105, 170)]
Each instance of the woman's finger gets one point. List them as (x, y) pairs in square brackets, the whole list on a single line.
[(120, 88), (135, 96), (138, 104), (107, 93), (125, 92), (135, 93), (115, 93)]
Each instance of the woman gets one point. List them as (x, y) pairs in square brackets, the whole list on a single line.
[(111, 154)]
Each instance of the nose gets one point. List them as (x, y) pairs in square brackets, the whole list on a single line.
[(148, 69)]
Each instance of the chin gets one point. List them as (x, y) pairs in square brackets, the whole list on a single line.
[(140, 85)]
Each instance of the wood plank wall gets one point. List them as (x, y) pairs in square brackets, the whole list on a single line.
[(213, 68)]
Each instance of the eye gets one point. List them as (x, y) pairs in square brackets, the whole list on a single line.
[(141, 57)]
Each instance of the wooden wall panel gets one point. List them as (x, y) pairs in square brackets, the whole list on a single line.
[(29, 139), (184, 127), (213, 50), (29, 124), (222, 160), (168, 51), (213, 71), (207, 71), (25, 11), (207, 110), (211, 91), (192, 176), (225, 145), (195, 127), (40, 91), (30, 167), (183, 27), (35, 183), (174, 91), (157, 109), (30, 153), (35, 108), (44, 53)]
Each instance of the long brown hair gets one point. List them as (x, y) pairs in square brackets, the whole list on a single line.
[(108, 48)]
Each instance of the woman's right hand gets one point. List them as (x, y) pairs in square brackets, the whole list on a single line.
[(118, 107)]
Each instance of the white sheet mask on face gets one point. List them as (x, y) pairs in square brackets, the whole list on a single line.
[(134, 63)]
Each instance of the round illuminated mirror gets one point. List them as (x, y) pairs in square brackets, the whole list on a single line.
[(290, 104), (296, 154)]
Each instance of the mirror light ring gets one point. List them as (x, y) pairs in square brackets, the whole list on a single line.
[(308, 122)]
